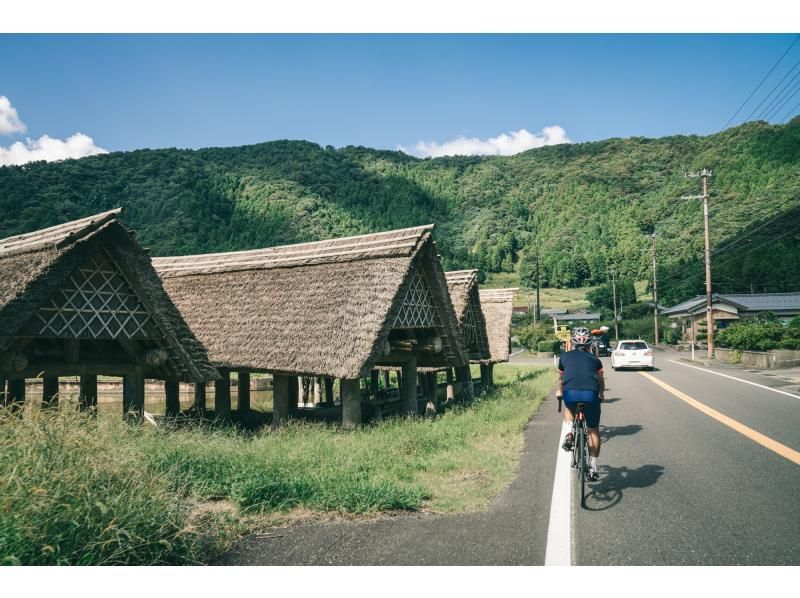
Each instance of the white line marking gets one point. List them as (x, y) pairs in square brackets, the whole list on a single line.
[(783, 392), (558, 551), (517, 353)]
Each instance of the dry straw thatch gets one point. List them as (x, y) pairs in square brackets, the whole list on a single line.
[(497, 306), (325, 308), (35, 266), (463, 288)]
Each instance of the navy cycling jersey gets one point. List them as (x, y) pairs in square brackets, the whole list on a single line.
[(580, 370)]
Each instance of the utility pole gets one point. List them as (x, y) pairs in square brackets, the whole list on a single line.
[(538, 313), (614, 295), (655, 290), (704, 174)]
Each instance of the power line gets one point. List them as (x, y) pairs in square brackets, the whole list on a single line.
[(786, 101), (725, 126), (788, 114), (749, 116), (764, 115)]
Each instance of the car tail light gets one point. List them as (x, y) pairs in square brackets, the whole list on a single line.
[(619, 353), (648, 352)]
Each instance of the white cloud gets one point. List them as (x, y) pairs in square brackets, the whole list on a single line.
[(47, 148), (9, 119), (504, 144)]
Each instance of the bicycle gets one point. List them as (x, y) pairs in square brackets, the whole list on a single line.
[(580, 447)]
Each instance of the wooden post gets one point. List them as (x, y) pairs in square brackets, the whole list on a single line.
[(3, 393), (317, 391), (486, 376), (451, 390), (294, 392), (464, 377), (373, 383), (386, 379), (16, 393), (133, 393), (351, 403), (200, 396), (244, 391), (408, 390), (329, 391), (50, 392), (280, 397), (87, 400), (222, 396), (490, 374), (430, 395), (173, 397)]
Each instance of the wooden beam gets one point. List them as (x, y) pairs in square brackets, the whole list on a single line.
[(408, 390), (133, 394), (386, 379), (280, 397), (61, 368), (487, 375), (329, 391), (87, 398), (172, 397), (3, 392), (200, 396), (351, 403), (50, 392), (222, 396), (244, 391)]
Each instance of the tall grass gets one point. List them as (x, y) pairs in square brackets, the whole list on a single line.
[(83, 491)]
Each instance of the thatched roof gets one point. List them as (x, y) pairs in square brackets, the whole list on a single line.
[(463, 288), (325, 308), (497, 306), (37, 267)]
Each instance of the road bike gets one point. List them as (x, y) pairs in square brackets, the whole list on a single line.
[(580, 447)]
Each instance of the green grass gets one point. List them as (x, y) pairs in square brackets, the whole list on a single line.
[(83, 491), (551, 298)]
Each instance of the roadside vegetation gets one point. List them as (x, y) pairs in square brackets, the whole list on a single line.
[(763, 333), (77, 490)]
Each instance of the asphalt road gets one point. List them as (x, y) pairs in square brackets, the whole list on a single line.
[(680, 488), (677, 487)]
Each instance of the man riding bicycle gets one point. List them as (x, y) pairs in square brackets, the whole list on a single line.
[(580, 380)]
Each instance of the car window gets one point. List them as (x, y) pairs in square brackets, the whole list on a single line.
[(633, 346)]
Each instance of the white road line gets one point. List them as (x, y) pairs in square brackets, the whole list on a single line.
[(694, 367), (517, 353), (559, 548)]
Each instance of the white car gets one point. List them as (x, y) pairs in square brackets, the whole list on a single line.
[(632, 354)]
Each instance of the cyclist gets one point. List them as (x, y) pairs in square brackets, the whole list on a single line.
[(580, 380)]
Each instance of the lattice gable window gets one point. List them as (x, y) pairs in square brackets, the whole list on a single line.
[(96, 302), (417, 309)]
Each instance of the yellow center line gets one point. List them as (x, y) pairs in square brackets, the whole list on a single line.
[(765, 441)]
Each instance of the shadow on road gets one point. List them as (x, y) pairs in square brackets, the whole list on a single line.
[(608, 491), (611, 400), (607, 432)]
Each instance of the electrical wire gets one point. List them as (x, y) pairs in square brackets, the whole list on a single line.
[(750, 116)]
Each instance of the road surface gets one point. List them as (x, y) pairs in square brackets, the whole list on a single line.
[(696, 468)]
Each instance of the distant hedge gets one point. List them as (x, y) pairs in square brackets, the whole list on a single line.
[(760, 335), (549, 346)]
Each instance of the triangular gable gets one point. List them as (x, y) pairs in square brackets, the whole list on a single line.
[(95, 302), (417, 308)]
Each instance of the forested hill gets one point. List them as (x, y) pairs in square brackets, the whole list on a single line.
[(587, 207)]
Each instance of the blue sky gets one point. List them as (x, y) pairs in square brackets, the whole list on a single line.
[(384, 91)]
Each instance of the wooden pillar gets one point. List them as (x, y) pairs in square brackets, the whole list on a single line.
[(373, 383), (486, 376), (16, 393), (386, 379), (351, 403), (222, 396), (50, 392), (87, 400), (490, 374), (317, 391), (294, 392), (173, 397), (329, 391), (3, 393), (450, 393), (408, 390), (244, 391), (200, 396), (280, 397), (133, 393), (464, 377), (432, 401)]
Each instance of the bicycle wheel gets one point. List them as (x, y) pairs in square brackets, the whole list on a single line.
[(582, 462)]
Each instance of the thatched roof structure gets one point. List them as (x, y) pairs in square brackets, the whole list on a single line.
[(497, 306), (463, 288), (89, 280), (333, 308)]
